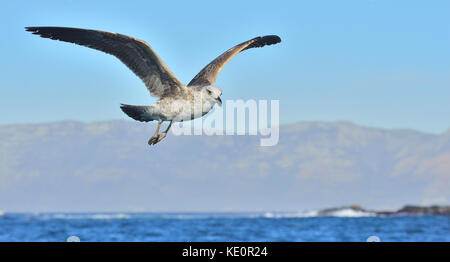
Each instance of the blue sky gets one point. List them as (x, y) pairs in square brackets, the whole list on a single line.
[(376, 63)]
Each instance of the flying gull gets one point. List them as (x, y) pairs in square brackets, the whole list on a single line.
[(177, 102)]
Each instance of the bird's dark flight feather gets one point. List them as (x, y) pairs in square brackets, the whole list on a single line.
[(134, 53), (207, 76)]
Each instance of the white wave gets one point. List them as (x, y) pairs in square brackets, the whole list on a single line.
[(87, 216), (348, 212), (312, 213), (1, 213), (291, 215), (110, 216)]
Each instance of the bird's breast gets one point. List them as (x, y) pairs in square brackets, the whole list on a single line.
[(183, 109)]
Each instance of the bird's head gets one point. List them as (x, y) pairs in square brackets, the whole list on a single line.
[(213, 93)]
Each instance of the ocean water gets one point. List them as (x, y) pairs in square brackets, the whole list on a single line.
[(344, 225)]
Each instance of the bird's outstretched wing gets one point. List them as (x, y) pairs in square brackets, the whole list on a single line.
[(209, 73), (134, 53)]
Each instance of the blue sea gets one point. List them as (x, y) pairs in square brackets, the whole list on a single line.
[(220, 227)]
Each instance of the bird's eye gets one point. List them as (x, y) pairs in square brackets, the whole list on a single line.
[(209, 92)]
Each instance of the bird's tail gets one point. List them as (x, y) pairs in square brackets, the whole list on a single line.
[(139, 113)]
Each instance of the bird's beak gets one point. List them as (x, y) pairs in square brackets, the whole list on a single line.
[(219, 101)]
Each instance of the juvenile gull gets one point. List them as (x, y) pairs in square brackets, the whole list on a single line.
[(177, 102)]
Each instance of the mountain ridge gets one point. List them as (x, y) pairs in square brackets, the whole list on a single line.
[(107, 165)]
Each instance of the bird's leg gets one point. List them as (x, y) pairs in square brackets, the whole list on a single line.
[(154, 139), (163, 134)]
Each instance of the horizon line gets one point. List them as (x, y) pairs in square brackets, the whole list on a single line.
[(348, 122)]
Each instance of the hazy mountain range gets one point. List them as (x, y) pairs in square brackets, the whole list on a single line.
[(108, 166)]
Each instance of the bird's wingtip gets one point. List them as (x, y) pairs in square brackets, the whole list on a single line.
[(278, 38), (32, 29), (271, 39), (263, 41)]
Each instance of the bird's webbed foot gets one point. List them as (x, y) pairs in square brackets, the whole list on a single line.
[(156, 138), (153, 140)]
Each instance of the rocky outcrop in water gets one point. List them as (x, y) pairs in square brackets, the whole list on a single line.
[(425, 210), (408, 210), (333, 210)]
